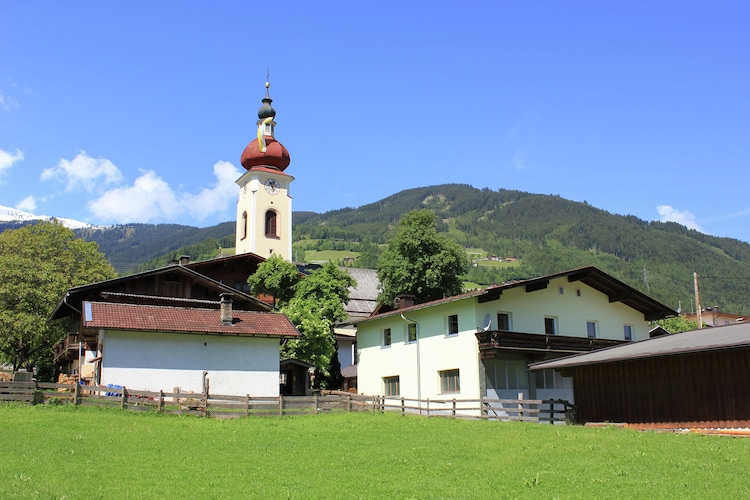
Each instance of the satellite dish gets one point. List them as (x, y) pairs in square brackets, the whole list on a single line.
[(487, 322)]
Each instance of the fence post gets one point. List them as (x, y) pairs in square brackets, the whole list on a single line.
[(349, 402), (247, 405), (315, 402), (520, 406), (453, 409), (483, 407), (552, 411), (281, 406), (403, 409), (123, 399), (428, 407), (161, 401), (38, 394), (77, 394)]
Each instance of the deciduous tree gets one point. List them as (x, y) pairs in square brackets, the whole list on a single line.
[(275, 277), (677, 324), (38, 264), (317, 305), (420, 261)]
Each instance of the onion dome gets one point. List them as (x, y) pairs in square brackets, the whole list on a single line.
[(266, 110), (265, 150)]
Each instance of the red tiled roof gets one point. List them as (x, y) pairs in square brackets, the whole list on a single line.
[(109, 315)]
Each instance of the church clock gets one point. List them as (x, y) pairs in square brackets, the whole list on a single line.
[(272, 186)]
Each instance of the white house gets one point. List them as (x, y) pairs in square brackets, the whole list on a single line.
[(479, 344), (150, 347)]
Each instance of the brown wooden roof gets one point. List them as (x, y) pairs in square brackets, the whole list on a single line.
[(139, 285), (107, 315)]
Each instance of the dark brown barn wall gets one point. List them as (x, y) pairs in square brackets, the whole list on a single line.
[(706, 387)]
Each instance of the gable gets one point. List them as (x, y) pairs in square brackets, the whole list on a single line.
[(159, 286)]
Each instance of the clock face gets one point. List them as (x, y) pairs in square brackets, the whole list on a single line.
[(272, 186)]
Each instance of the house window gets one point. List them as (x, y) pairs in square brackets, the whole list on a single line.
[(453, 324), (591, 329), (507, 374), (503, 322), (578, 292), (628, 332), (411, 332), (449, 381), (271, 224), (550, 325), (550, 379), (243, 226), (561, 290), (391, 386), (387, 337)]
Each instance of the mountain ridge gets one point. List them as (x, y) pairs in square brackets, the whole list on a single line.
[(547, 233)]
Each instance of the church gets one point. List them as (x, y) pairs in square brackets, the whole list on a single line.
[(182, 324), (264, 208)]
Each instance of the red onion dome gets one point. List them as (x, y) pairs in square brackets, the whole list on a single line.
[(275, 156)]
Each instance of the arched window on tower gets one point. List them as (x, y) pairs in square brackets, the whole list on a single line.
[(243, 226), (272, 224)]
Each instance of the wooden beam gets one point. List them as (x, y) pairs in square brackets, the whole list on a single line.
[(533, 287), (619, 298), (490, 295)]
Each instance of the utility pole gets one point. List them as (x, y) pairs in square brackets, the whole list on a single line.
[(697, 301)]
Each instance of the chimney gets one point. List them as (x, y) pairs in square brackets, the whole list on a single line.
[(404, 300), (184, 260), (226, 309)]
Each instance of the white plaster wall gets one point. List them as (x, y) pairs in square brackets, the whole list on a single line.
[(162, 361), (417, 364), (254, 200), (345, 352), (529, 309)]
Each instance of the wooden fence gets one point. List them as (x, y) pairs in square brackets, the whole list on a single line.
[(524, 410), (225, 406), (182, 403)]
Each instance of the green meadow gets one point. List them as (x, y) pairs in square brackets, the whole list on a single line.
[(61, 451)]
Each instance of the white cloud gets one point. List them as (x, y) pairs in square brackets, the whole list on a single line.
[(217, 198), (151, 198), (684, 217), (84, 171), (28, 204), (8, 159)]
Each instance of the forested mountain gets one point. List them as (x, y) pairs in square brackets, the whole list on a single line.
[(547, 233), (130, 247)]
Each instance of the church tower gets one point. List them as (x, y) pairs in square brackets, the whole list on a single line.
[(264, 209)]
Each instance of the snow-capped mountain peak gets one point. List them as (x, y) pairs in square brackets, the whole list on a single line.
[(8, 214)]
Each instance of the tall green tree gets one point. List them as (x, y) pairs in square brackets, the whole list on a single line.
[(275, 277), (318, 305), (38, 264), (420, 261)]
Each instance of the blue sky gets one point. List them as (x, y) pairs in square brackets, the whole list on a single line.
[(139, 111)]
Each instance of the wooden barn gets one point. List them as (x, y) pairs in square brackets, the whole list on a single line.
[(695, 379)]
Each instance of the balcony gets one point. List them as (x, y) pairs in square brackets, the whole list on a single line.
[(493, 341), (66, 349)]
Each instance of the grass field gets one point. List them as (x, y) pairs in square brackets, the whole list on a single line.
[(323, 256), (89, 452)]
